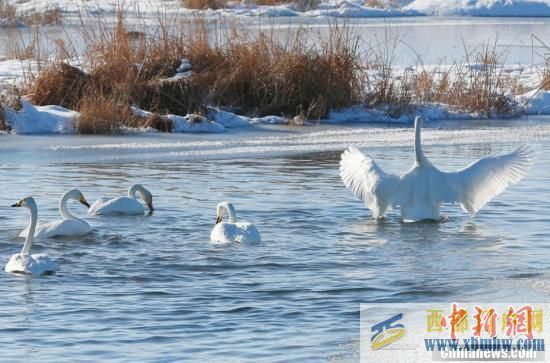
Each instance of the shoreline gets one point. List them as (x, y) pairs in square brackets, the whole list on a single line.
[(269, 141)]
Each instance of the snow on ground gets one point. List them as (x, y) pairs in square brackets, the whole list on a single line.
[(341, 9), (533, 8), (329, 8), (57, 120), (41, 119), (151, 8), (536, 102), (13, 71), (193, 123), (187, 123)]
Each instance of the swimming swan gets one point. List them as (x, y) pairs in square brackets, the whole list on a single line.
[(123, 205), (421, 191), (24, 262), (68, 226), (233, 231)]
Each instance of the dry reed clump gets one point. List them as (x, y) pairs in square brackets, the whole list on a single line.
[(59, 84), (382, 4), (8, 13), (9, 16), (482, 87), (3, 124), (101, 115), (51, 16), (300, 5), (123, 70), (260, 76), (545, 82), (204, 4), (178, 96), (158, 122), (253, 75)]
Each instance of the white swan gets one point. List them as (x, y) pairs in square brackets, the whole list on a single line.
[(233, 231), (68, 226), (124, 205), (24, 262), (420, 192)]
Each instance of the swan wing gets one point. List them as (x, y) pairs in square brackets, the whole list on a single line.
[(479, 182), (120, 205), (367, 181), (247, 233), (235, 232), (60, 228), (221, 233), (30, 264)]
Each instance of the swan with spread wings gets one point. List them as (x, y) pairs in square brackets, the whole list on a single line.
[(421, 191)]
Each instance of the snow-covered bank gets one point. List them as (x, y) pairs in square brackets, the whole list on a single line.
[(41, 119), (515, 8), (328, 8), (340, 9), (58, 120)]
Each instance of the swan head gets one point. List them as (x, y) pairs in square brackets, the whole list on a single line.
[(75, 194), (222, 208), (148, 198), (27, 202)]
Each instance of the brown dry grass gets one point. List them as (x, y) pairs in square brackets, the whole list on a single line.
[(382, 4), (300, 5), (9, 14), (101, 115), (255, 75), (545, 82), (204, 4), (261, 76), (482, 87), (47, 17), (3, 125), (270, 2), (7, 11), (158, 122), (59, 84)]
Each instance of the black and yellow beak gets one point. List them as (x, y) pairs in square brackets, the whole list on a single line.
[(84, 201), (16, 205), (150, 206), (218, 220)]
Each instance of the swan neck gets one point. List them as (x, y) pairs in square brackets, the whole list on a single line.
[(133, 190), (232, 213), (32, 228), (419, 155), (63, 210)]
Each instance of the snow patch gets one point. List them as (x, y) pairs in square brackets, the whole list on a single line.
[(194, 123), (189, 123), (41, 119), (525, 8), (536, 102)]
